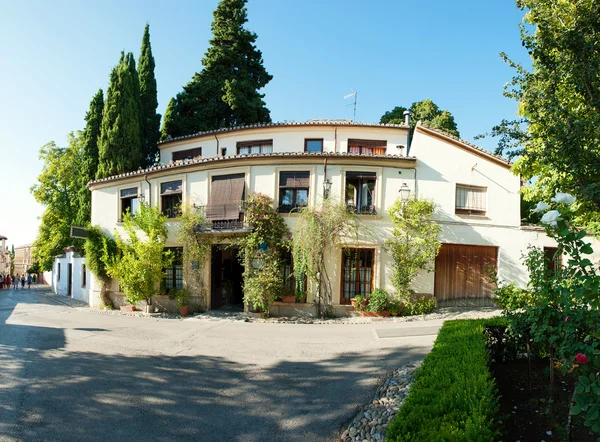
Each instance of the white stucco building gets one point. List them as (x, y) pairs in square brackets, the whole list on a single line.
[(364, 165)]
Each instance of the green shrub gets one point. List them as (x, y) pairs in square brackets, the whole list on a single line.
[(421, 306), (378, 301), (453, 397), (359, 303), (510, 297)]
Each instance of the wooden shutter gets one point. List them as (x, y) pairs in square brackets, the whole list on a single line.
[(226, 193), (294, 180)]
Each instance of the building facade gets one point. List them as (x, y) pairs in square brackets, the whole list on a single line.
[(363, 165), (23, 259), (4, 257)]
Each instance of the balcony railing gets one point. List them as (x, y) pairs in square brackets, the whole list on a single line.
[(235, 224), (361, 210)]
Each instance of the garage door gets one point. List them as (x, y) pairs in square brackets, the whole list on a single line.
[(461, 274)]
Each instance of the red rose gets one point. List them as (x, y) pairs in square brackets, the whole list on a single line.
[(581, 359)]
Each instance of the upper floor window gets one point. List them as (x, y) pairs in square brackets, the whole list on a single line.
[(313, 145), (367, 147), (129, 201), (293, 190), (470, 200), (260, 146), (170, 198), (226, 196), (187, 154), (360, 192)]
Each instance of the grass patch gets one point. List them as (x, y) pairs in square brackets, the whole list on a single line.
[(453, 397)]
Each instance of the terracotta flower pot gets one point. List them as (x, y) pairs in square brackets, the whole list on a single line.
[(384, 313), (127, 308), (290, 299), (363, 313), (184, 311)]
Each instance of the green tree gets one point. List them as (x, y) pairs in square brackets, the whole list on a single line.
[(120, 144), (57, 189), (89, 157), (139, 264), (426, 111), (169, 121), (150, 119), (414, 245), (557, 134), (225, 93)]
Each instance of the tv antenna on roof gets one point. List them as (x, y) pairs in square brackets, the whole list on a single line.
[(353, 94)]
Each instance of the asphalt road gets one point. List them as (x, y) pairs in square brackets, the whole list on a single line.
[(73, 375)]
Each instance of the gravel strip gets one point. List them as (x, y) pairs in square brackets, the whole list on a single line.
[(371, 422)]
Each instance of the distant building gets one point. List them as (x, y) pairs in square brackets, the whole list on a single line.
[(23, 260)]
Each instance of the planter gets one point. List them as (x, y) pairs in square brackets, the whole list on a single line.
[(184, 311), (290, 299), (384, 313), (148, 309), (363, 313), (127, 308)]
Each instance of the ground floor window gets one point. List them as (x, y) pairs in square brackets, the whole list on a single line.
[(357, 273), (174, 273)]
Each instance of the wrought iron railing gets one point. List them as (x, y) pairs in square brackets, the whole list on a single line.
[(361, 210), (233, 210)]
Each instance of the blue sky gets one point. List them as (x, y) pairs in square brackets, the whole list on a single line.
[(56, 55)]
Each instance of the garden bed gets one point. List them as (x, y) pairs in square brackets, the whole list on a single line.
[(530, 414)]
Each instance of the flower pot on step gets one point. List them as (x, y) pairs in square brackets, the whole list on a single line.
[(363, 313), (290, 299), (384, 313), (184, 311), (127, 308)]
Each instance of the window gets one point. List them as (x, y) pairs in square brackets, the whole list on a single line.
[(58, 271), (313, 145), (226, 195), (129, 202), (187, 154), (293, 190), (223, 151), (289, 280), (357, 273), (470, 200), (367, 147), (261, 146), (174, 273), (170, 198), (83, 276), (360, 192)]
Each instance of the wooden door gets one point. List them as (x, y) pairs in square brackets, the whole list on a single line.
[(461, 274), (70, 280)]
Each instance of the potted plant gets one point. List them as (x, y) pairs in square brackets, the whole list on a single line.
[(379, 303), (300, 296), (182, 297), (359, 302), (288, 298)]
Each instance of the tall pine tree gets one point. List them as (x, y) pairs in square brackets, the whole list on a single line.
[(225, 92), (150, 119), (89, 157), (120, 145), (168, 123)]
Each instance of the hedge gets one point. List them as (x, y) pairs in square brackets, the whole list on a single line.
[(453, 397)]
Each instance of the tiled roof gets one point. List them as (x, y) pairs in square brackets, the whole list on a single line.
[(2, 237), (214, 159), (466, 143), (286, 124)]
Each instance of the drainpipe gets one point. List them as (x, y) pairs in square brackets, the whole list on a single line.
[(409, 137), (149, 191), (218, 151), (416, 186), (335, 138), (325, 179)]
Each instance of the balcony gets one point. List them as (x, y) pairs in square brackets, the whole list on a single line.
[(229, 225)]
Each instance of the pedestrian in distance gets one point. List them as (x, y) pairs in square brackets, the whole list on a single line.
[(1, 282), (22, 281), (28, 281), (16, 282), (7, 281)]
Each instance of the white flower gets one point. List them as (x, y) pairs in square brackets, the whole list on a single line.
[(563, 198), (551, 217), (541, 207)]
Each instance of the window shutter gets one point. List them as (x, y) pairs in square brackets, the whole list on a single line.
[(294, 180)]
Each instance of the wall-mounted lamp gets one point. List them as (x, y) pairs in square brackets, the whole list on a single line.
[(141, 197), (326, 188)]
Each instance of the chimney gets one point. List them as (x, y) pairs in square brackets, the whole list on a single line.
[(407, 117)]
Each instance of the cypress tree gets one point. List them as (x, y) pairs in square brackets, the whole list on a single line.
[(148, 94), (225, 92), (89, 157), (120, 144), (168, 121)]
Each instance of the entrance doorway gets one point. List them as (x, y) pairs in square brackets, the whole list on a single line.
[(226, 277)]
